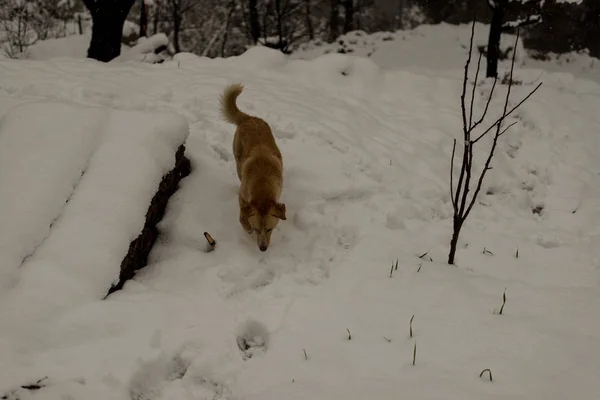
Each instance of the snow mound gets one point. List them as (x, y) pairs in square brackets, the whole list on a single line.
[(43, 152), (145, 49), (107, 164), (73, 46)]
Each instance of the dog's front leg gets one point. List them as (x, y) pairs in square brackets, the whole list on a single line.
[(244, 210), (245, 223)]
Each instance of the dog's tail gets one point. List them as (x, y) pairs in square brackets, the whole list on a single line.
[(229, 109)]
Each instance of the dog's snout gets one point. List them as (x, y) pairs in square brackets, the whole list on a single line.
[(263, 247)]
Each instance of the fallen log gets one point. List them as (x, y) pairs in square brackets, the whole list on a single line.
[(139, 249)]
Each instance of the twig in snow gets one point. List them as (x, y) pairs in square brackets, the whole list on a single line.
[(414, 354), (349, 334), (503, 302), (410, 325), (424, 254), (489, 371)]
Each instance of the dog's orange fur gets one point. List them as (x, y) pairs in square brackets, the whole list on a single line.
[(259, 168)]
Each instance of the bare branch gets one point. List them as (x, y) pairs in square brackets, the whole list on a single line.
[(452, 177), (507, 128), (473, 92), (520, 23), (466, 129), (508, 113), (466, 80), (487, 105), (498, 127)]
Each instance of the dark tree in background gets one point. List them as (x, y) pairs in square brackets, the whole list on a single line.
[(143, 18), (334, 26), (502, 10), (108, 18), (253, 20)]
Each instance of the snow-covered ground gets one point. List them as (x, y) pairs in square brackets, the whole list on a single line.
[(366, 156), (440, 49)]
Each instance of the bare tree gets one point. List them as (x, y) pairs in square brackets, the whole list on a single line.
[(501, 9), (17, 21), (179, 11), (461, 204)]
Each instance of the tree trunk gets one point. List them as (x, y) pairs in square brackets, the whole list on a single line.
[(279, 24), (309, 25), (334, 30), (254, 22), (493, 48), (456, 227), (349, 16), (227, 24), (108, 18), (156, 18), (176, 29), (143, 19)]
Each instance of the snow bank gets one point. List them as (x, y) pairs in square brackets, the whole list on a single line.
[(73, 46), (123, 157), (44, 149), (144, 50)]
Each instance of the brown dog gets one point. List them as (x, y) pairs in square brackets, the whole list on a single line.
[(259, 167)]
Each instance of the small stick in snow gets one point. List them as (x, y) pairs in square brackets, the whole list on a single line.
[(211, 242), (305, 355), (517, 253), (410, 325), (503, 302), (489, 371), (415, 354), (420, 265), (35, 386), (349, 334), (424, 254)]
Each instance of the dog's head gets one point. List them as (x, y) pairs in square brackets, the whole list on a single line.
[(263, 219)]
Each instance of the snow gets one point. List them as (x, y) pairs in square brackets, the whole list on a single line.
[(90, 174), (144, 50), (53, 164), (438, 50), (366, 148), (73, 46)]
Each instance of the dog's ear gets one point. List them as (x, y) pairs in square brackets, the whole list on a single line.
[(279, 211)]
